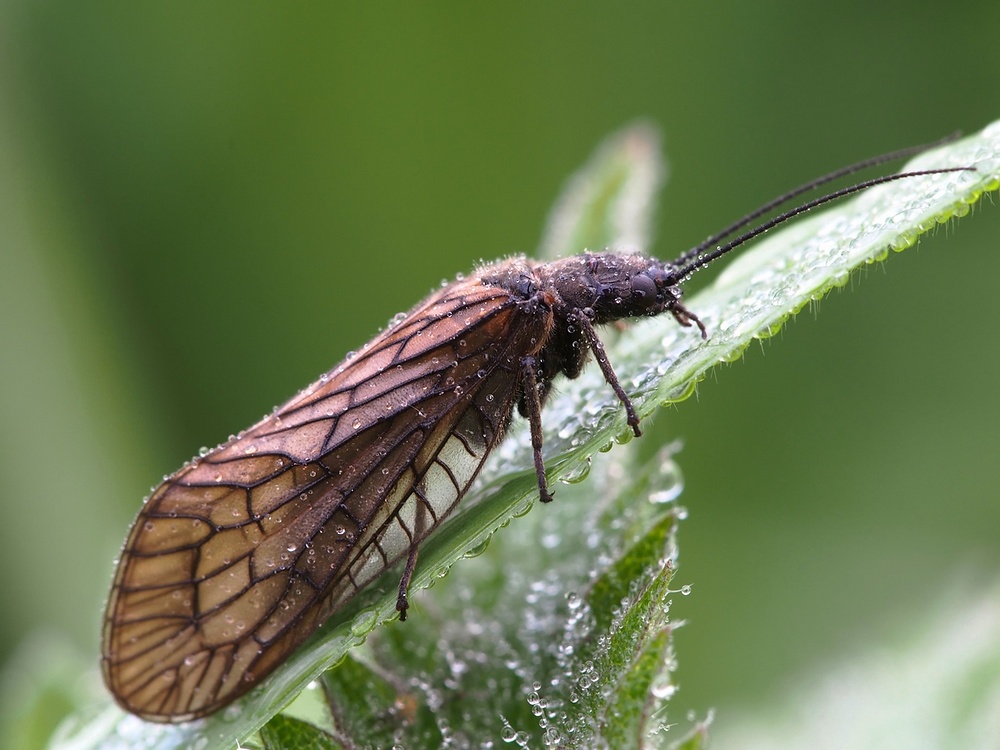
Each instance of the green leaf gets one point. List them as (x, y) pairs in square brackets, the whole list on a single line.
[(609, 201), (507, 647), (940, 688), (287, 733), (658, 362), (376, 709)]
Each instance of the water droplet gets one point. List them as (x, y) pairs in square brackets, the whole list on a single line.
[(523, 508), (667, 480), (478, 549), (364, 623), (577, 473), (624, 437), (662, 687)]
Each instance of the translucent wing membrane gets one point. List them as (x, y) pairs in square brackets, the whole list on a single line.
[(239, 556)]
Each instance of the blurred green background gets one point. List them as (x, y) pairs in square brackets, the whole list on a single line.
[(202, 208)]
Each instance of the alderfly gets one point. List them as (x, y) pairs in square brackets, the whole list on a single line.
[(238, 557)]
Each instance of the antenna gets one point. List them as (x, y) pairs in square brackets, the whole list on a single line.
[(874, 161), (702, 259)]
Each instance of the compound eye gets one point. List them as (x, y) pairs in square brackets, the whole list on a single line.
[(643, 290)]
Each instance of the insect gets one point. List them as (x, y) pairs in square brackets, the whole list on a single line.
[(240, 555)]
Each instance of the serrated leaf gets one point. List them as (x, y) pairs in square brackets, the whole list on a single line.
[(630, 649), (374, 711), (506, 648), (287, 733)]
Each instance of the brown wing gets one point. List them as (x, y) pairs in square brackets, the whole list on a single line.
[(238, 557)]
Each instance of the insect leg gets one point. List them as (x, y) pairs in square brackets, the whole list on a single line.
[(529, 369), (583, 320), (402, 604), (685, 317), (420, 530)]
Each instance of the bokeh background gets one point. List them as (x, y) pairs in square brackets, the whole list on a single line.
[(204, 207)]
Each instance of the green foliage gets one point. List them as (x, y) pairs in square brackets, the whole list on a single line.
[(556, 632), (287, 733), (942, 689)]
